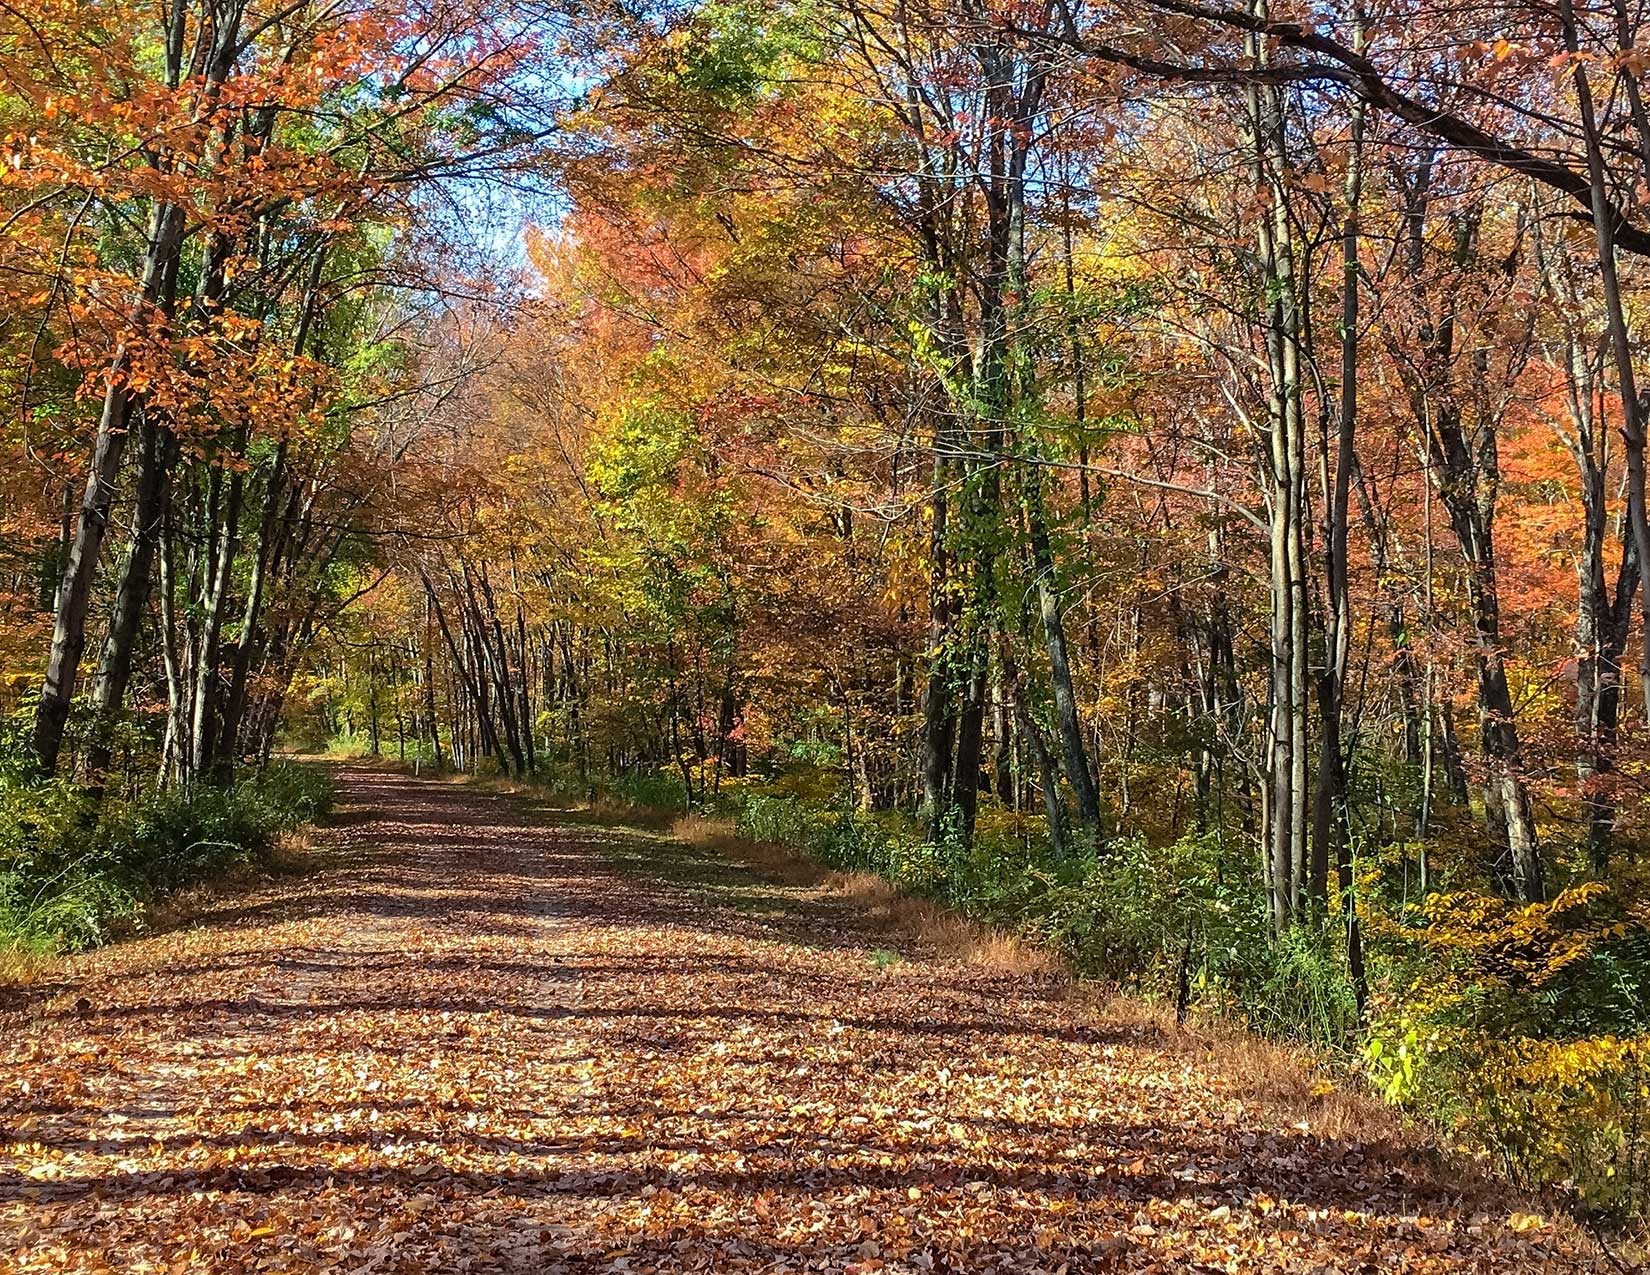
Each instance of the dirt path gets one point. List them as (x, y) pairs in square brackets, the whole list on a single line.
[(489, 1040)]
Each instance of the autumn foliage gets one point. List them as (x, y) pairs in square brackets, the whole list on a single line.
[(1166, 479)]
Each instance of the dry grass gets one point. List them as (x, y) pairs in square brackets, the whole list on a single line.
[(779, 862), (934, 927), (19, 968), (1278, 1077), (1281, 1077), (946, 932)]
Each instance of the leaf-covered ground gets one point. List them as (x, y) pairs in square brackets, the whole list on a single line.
[(493, 1039)]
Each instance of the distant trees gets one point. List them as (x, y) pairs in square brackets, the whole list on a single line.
[(1120, 412)]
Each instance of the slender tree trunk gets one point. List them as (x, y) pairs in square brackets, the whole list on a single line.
[(270, 533), (158, 291), (172, 750), (1002, 744), (1633, 409), (1047, 776), (1286, 766), (52, 574), (430, 715), (131, 600), (1330, 839), (1070, 726), (965, 780), (939, 722), (215, 603)]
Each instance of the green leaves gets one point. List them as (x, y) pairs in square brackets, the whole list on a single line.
[(641, 455), (733, 52)]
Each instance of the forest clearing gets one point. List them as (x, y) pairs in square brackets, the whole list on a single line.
[(1158, 486)]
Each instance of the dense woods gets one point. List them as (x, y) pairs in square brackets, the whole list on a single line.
[(1164, 477), (219, 222)]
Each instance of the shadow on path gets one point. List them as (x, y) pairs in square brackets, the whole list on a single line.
[(495, 1038)]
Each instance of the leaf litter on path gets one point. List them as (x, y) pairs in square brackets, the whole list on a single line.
[(490, 1040)]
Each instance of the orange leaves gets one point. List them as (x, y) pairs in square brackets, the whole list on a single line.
[(285, 141)]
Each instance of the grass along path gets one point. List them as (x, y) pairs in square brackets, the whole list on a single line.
[(488, 1037)]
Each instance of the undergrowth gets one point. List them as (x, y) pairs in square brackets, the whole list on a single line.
[(70, 878), (1521, 1033)]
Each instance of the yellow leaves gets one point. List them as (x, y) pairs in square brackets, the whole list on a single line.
[(1586, 1064), (1533, 943), (1498, 50), (1555, 1107)]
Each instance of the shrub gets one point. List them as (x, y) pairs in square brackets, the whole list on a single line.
[(1187, 921), (68, 876), (786, 821), (1527, 1028), (658, 790)]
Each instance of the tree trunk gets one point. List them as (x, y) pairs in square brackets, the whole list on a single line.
[(938, 718), (214, 604), (1047, 777), (1287, 763), (131, 600), (159, 290), (1070, 727)]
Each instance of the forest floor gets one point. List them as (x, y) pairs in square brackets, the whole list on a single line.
[(485, 1036)]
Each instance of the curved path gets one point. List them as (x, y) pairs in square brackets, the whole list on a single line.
[(490, 1037)]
